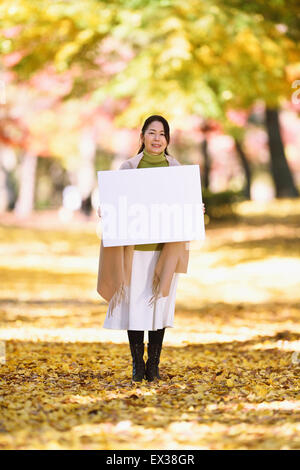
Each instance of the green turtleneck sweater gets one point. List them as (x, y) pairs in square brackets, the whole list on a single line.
[(150, 161)]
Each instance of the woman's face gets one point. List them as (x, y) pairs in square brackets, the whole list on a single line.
[(154, 138)]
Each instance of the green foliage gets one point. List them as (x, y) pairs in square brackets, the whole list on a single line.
[(103, 160), (198, 57), (55, 32), (221, 205), (51, 179), (207, 56), (202, 58), (279, 12)]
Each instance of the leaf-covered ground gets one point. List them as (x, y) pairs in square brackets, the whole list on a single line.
[(230, 366)]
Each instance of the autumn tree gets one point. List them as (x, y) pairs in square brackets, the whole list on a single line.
[(200, 58), (205, 58)]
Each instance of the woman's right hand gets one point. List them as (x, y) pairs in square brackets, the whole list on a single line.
[(99, 212)]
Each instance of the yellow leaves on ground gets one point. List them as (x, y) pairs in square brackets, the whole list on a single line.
[(230, 370), (53, 395)]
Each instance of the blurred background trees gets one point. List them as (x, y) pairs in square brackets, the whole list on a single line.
[(79, 78)]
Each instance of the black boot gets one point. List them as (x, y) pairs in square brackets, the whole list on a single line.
[(138, 364), (152, 371)]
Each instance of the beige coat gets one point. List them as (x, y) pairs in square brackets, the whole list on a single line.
[(114, 272)]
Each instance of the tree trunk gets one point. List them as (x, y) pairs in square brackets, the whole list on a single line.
[(4, 201), (281, 173), (25, 201), (206, 170), (246, 167), (86, 173), (8, 162)]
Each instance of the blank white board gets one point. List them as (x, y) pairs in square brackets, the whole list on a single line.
[(151, 205)]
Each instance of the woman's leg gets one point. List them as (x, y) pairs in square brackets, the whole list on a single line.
[(154, 350), (135, 336), (136, 342), (156, 336)]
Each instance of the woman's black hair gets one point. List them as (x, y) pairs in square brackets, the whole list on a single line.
[(156, 117)]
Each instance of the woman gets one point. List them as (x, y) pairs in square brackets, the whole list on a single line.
[(143, 297)]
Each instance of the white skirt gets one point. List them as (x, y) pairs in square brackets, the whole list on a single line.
[(137, 314)]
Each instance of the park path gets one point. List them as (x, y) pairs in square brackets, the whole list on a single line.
[(230, 366)]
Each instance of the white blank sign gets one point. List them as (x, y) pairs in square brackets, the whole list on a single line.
[(151, 205)]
